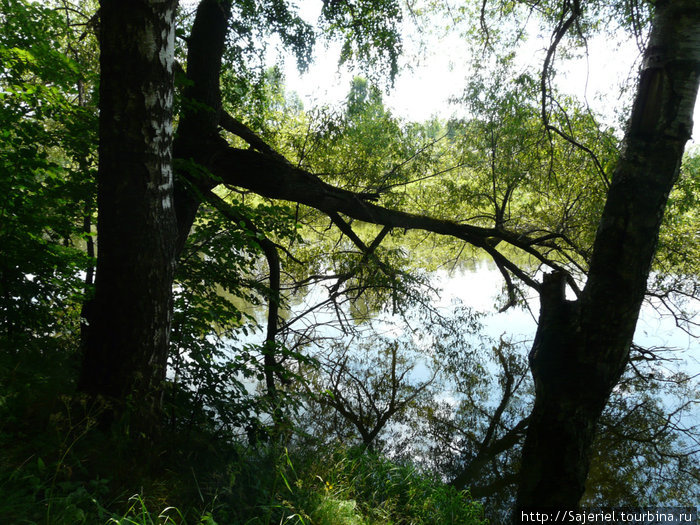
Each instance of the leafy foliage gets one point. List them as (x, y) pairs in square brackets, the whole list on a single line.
[(398, 493), (501, 167), (219, 291), (46, 169), (368, 30)]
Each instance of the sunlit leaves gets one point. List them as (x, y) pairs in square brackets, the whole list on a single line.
[(675, 281), (46, 170), (221, 292), (679, 245), (368, 32)]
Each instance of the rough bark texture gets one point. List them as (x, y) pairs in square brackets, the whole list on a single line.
[(198, 140), (129, 317), (581, 348)]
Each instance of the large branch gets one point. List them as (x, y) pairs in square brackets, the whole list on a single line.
[(266, 172), (271, 177), (483, 491)]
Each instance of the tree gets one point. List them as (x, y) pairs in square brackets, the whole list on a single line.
[(128, 318), (642, 451), (470, 429), (582, 346), (580, 352), (47, 169), (145, 217)]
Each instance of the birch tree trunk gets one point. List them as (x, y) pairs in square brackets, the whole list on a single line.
[(581, 347), (125, 349)]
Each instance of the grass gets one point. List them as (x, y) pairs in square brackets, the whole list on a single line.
[(58, 468), (262, 486)]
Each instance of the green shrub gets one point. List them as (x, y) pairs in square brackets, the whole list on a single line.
[(388, 492)]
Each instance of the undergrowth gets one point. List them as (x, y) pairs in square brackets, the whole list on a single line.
[(57, 467)]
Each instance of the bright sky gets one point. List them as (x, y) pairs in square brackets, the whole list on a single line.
[(440, 73)]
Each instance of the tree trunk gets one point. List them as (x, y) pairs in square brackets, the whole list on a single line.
[(198, 140), (581, 347), (126, 344)]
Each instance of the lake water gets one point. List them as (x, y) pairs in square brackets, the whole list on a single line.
[(479, 288), (656, 328)]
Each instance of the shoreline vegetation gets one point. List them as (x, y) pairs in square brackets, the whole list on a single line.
[(220, 305)]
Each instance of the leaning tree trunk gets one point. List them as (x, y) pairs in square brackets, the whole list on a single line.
[(198, 140), (581, 347), (126, 343)]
